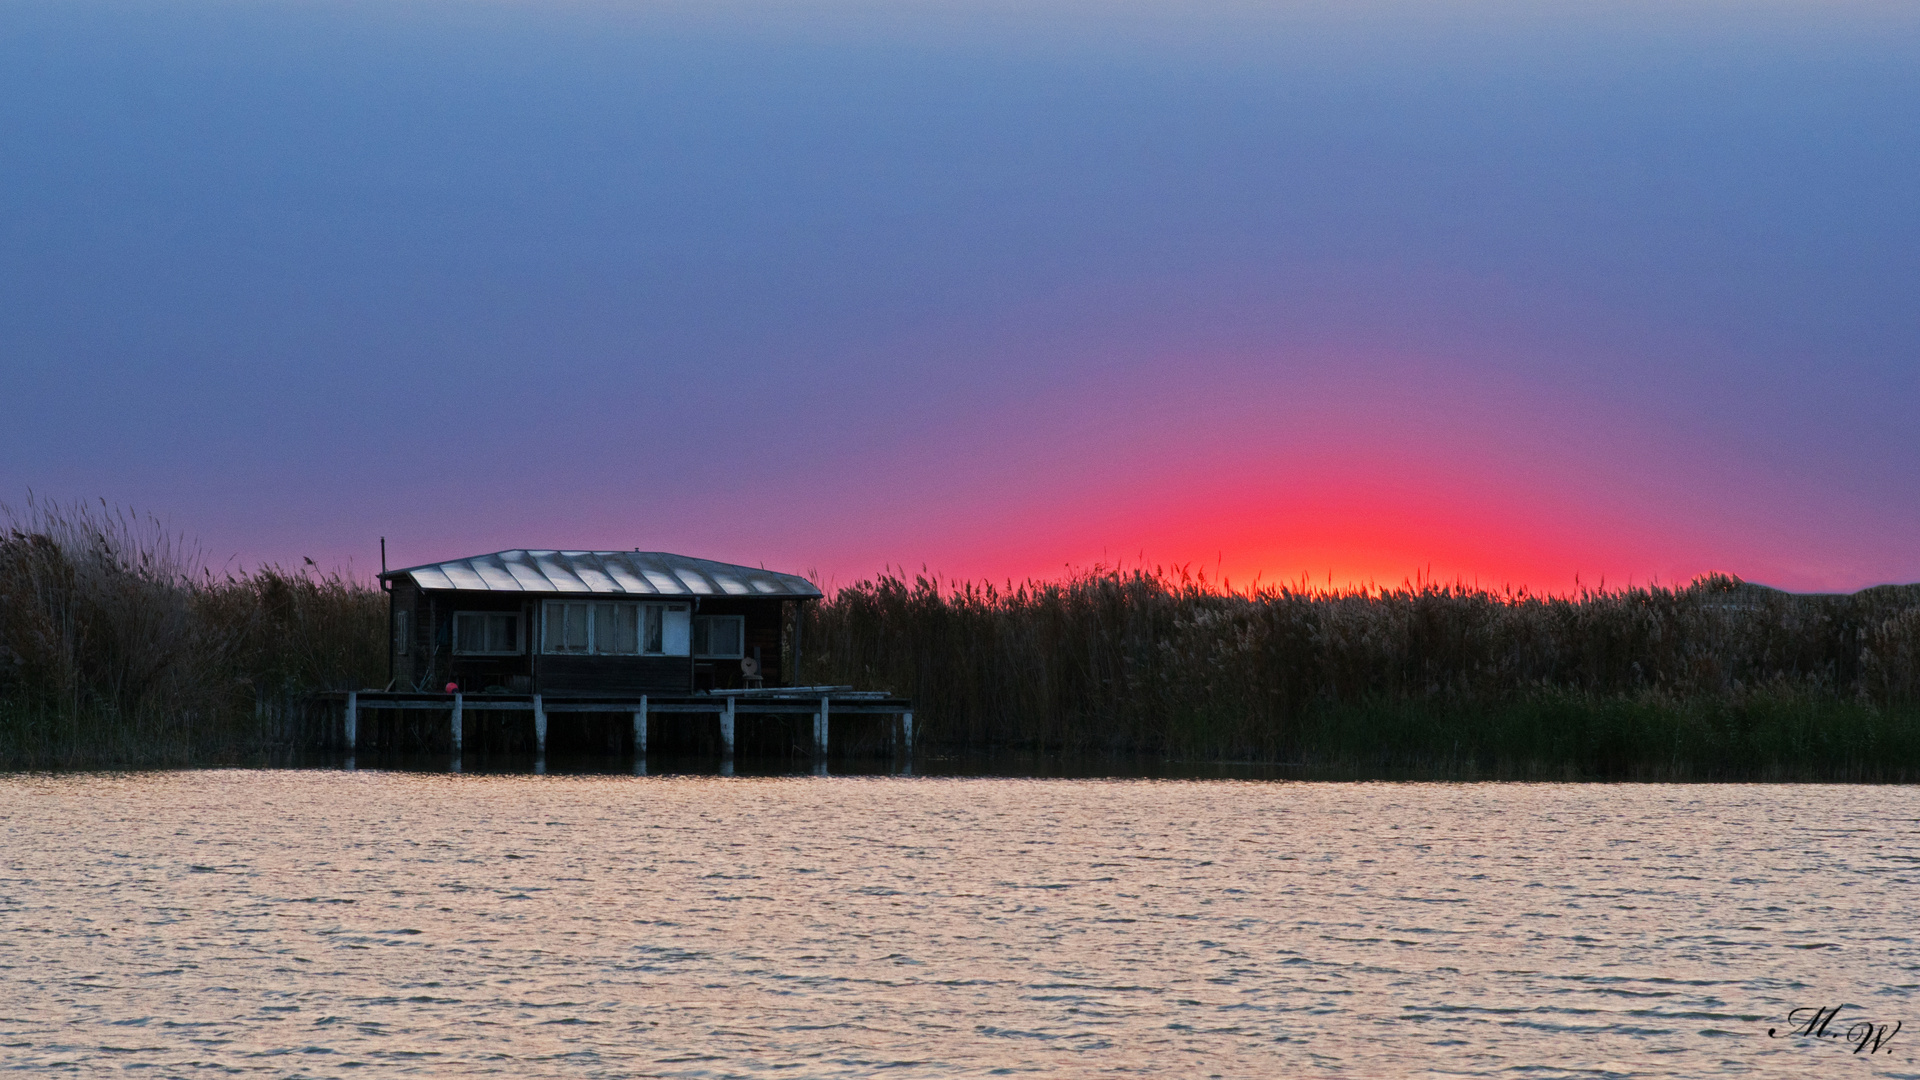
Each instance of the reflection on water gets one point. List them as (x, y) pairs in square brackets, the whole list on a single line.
[(1006, 764), (322, 923)]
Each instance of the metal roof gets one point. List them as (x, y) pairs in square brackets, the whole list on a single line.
[(641, 573)]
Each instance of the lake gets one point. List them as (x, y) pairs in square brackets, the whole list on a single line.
[(331, 923)]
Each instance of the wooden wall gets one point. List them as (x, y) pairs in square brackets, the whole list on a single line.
[(428, 662)]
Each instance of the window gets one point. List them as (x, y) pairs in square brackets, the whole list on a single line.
[(486, 633), (614, 628), (567, 627), (675, 621), (652, 639), (400, 639), (719, 635)]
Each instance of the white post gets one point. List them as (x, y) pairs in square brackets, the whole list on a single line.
[(726, 731), (821, 725), (539, 728), (353, 721), (906, 725), (457, 717), (640, 729)]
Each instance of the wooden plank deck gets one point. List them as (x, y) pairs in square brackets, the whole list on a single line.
[(822, 703)]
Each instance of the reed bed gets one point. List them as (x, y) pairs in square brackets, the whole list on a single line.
[(1716, 679), (120, 648)]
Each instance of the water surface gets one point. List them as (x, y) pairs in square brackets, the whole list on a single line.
[(331, 924)]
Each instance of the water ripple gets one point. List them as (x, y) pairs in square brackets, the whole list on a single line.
[(322, 924)]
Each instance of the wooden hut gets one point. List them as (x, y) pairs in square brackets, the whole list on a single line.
[(606, 639), (624, 623)]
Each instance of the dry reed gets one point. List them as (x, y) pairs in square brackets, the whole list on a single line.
[(119, 648), (1717, 679)]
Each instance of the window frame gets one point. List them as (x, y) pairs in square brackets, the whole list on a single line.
[(546, 628), (618, 607), (519, 634), (694, 636), (592, 602)]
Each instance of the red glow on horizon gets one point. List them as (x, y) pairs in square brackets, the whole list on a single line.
[(1480, 485), (1360, 532)]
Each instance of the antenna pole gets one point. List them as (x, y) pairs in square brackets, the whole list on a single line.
[(383, 555)]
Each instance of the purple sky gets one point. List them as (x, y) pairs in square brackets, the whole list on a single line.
[(1505, 292)]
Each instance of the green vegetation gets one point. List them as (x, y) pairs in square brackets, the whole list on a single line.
[(119, 648), (1716, 680)]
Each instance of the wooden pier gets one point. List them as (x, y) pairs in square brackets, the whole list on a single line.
[(366, 719)]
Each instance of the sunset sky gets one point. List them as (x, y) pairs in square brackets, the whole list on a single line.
[(1497, 292)]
